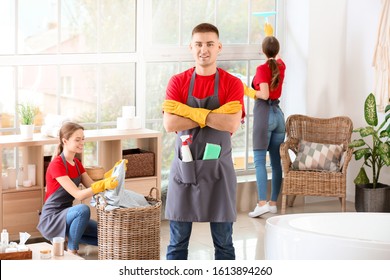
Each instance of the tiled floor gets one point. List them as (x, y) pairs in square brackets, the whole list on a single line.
[(248, 234)]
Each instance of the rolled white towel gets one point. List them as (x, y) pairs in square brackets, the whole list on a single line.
[(53, 120), (50, 131)]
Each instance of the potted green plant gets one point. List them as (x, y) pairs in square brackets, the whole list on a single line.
[(371, 195), (27, 113)]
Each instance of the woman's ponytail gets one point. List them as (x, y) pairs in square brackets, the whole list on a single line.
[(273, 65), (271, 48), (58, 150)]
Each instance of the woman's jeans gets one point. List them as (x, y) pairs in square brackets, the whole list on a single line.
[(79, 227), (180, 233), (276, 133)]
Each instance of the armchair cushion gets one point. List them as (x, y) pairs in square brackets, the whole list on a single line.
[(317, 156)]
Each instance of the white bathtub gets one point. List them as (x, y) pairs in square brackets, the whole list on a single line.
[(328, 236)]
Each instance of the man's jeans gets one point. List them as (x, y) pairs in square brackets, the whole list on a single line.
[(180, 233)]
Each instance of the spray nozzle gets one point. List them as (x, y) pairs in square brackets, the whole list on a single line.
[(186, 139)]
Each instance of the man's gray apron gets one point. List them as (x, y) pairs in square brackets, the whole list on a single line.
[(52, 221), (202, 190), (260, 122)]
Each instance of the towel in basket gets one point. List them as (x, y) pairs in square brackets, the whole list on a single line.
[(120, 197)]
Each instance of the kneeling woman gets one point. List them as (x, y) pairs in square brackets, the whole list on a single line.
[(64, 174)]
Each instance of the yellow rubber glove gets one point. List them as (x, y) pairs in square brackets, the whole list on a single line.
[(268, 29), (231, 107), (109, 172), (109, 183), (250, 92), (198, 115)]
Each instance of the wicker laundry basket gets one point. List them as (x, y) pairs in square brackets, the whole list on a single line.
[(129, 233)]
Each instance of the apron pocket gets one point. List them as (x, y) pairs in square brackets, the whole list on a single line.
[(186, 174), (208, 171), (198, 171)]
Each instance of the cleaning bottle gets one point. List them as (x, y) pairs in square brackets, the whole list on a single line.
[(4, 238), (186, 155)]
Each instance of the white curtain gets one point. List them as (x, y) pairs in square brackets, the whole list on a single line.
[(381, 61)]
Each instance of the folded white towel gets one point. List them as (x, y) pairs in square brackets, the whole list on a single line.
[(53, 125)]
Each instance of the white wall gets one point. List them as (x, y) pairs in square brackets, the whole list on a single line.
[(295, 53), (329, 47)]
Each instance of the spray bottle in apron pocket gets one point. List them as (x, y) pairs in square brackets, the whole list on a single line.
[(186, 155)]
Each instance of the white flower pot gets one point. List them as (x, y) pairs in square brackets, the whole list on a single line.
[(27, 131)]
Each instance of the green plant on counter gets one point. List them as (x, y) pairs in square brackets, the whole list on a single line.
[(27, 113), (375, 154)]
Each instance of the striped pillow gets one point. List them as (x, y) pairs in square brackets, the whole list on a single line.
[(317, 156)]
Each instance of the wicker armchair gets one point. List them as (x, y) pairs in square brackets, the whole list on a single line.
[(335, 130)]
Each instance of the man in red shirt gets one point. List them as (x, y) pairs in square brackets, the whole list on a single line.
[(205, 102)]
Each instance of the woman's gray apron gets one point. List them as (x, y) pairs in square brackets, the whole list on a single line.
[(260, 122), (202, 190), (52, 221)]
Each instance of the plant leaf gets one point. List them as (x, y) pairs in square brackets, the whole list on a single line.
[(361, 153), (370, 110), (27, 113), (384, 152), (357, 143), (385, 132), (357, 129), (387, 108), (361, 178), (366, 162), (366, 131)]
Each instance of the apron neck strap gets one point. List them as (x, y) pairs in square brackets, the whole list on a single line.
[(66, 166), (192, 83)]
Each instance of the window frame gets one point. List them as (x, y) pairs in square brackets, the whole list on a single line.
[(144, 53), (237, 52)]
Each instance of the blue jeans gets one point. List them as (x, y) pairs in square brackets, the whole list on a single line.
[(276, 133), (79, 227), (180, 233)]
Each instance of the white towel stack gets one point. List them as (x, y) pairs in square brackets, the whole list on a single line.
[(128, 119), (53, 125)]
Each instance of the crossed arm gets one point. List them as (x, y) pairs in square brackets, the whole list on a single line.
[(179, 116), (223, 122)]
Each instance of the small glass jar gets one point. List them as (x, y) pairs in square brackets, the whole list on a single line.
[(45, 254)]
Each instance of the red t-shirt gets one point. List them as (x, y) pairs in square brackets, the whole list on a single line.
[(57, 169), (264, 75), (230, 87)]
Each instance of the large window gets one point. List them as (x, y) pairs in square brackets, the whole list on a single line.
[(85, 59), (166, 52)]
